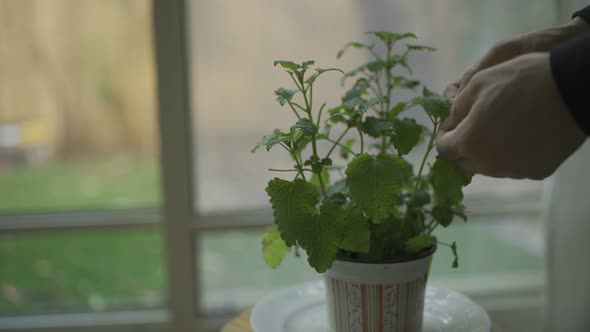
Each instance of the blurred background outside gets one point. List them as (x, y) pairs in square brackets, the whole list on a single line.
[(78, 132)]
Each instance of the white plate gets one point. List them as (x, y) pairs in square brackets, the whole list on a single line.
[(303, 309)]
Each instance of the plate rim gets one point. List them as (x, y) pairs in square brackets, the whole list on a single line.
[(320, 283)]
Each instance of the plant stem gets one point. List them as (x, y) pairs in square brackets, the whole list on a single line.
[(428, 149), (362, 141), (295, 111), (308, 107), (389, 88), (320, 114), (337, 143), (288, 170)]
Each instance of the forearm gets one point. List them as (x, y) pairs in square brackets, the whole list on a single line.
[(570, 65)]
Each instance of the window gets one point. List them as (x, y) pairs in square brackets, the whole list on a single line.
[(233, 49), (122, 207)]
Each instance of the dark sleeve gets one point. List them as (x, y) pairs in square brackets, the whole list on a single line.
[(570, 64)]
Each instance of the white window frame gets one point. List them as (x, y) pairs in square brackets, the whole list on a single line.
[(179, 222)]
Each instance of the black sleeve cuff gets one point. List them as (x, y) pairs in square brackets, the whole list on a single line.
[(570, 65), (584, 14)]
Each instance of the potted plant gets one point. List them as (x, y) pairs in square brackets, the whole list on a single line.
[(368, 224)]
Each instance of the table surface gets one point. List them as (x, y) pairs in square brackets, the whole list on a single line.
[(242, 324), (239, 324)]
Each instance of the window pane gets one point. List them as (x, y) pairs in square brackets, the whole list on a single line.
[(78, 271), (235, 43), (77, 105), (234, 275)]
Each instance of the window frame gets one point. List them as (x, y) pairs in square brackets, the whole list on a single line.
[(178, 219)]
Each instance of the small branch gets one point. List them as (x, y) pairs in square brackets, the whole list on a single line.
[(362, 141), (288, 170), (298, 106), (320, 114), (337, 143)]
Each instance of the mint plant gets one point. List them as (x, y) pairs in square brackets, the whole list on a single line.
[(381, 207)]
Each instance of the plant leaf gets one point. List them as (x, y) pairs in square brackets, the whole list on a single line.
[(274, 248), (375, 127), (443, 215), (397, 109), (356, 231), (271, 140), (306, 126), (289, 65), (448, 180), (419, 243), (436, 106), (334, 227), (389, 38), (353, 45), (375, 183), (406, 134), (284, 95), (321, 237), (292, 203)]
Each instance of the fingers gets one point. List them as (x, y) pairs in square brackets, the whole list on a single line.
[(452, 89), (461, 106), (451, 135)]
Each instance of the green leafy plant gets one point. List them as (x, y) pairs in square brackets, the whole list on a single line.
[(378, 207)]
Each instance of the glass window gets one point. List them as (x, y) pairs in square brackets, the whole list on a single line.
[(77, 106), (73, 271), (78, 131), (235, 44)]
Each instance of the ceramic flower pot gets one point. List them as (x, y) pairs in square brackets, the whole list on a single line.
[(377, 297)]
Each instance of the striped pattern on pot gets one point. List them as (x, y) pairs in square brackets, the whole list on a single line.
[(360, 307)]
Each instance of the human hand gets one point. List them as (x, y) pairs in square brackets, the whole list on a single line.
[(510, 121), (536, 41)]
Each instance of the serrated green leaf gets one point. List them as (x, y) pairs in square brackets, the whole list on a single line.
[(443, 215), (274, 248), (406, 134), (404, 82), (321, 237), (289, 65), (419, 243), (271, 140), (420, 198), (375, 127), (365, 105), (357, 91), (284, 95), (375, 65), (389, 38), (292, 204), (333, 228), (375, 183), (305, 64), (448, 180), (356, 231), (397, 109), (349, 45), (436, 106), (306, 126)]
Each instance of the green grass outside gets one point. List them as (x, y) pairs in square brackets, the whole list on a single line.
[(107, 270)]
